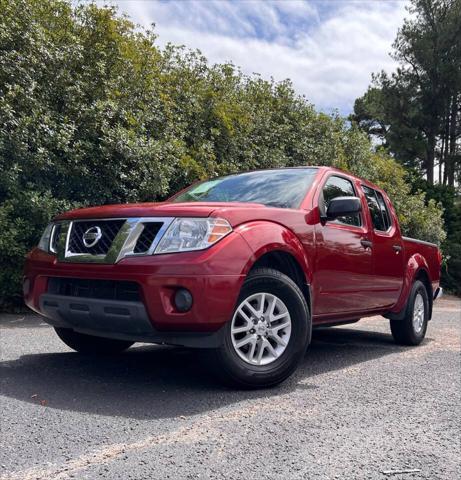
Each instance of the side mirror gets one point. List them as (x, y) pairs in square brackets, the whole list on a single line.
[(342, 206)]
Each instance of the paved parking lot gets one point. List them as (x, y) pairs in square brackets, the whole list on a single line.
[(359, 407)]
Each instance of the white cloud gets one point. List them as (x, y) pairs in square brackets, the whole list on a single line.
[(328, 49), (267, 19)]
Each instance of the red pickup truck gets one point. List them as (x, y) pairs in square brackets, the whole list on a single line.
[(244, 265)]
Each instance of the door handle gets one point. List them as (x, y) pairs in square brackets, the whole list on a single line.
[(366, 243), (397, 248)]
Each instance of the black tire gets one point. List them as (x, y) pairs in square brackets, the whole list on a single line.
[(404, 331), (237, 372), (91, 344)]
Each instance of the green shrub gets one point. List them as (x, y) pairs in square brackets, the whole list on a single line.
[(451, 270)]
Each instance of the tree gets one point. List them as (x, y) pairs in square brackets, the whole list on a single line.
[(416, 111)]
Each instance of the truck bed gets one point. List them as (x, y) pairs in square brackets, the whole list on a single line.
[(429, 251)]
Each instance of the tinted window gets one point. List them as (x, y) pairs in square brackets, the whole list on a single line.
[(340, 187), (378, 209), (285, 188), (384, 210)]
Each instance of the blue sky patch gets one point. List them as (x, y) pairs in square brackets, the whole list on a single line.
[(329, 49)]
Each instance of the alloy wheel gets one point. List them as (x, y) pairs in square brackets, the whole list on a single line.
[(418, 313), (261, 329)]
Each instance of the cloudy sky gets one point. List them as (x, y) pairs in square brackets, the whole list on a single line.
[(327, 48)]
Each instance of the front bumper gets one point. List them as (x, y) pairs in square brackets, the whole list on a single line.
[(213, 276), (117, 319)]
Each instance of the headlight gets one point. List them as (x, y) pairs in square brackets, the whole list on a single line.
[(44, 243), (187, 234)]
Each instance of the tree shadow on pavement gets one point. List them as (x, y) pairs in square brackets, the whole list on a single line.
[(151, 381)]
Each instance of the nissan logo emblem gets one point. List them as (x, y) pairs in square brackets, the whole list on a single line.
[(91, 237)]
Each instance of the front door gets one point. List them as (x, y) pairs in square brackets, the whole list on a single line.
[(343, 256)]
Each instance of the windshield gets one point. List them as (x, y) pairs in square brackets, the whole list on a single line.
[(284, 188)]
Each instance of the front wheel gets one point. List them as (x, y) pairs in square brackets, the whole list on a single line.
[(268, 334), (412, 329), (91, 344)]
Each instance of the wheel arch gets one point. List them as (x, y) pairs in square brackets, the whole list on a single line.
[(416, 269), (287, 264), (276, 246)]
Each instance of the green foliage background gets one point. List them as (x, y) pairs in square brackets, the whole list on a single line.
[(415, 114), (92, 111)]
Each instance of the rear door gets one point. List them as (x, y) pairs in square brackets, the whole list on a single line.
[(343, 257), (387, 248)]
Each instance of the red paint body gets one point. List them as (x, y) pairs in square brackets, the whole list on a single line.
[(347, 280)]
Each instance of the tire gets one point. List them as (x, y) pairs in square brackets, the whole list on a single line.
[(261, 366), (91, 344), (412, 329)]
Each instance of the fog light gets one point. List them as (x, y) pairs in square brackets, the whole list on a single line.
[(183, 300)]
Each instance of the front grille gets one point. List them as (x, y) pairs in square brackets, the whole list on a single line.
[(109, 230), (147, 236), (99, 289)]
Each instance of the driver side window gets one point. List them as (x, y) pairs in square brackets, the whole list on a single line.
[(339, 187)]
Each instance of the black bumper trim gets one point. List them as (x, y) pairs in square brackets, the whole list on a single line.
[(116, 319)]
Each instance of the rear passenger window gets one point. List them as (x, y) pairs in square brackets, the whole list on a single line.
[(340, 187), (378, 209), (384, 210)]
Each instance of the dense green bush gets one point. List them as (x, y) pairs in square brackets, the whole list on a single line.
[(451, 270), (92, 111), (451, 247)]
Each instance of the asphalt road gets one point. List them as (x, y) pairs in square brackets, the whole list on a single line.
[(359, 407)]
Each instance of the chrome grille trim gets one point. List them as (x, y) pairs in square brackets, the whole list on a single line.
[(109, 229), (55, 236), (122, 246)]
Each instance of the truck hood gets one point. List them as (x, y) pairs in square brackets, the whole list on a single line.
[(160, 209)]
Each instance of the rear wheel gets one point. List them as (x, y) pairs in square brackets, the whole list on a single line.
[(412, 329), (91, 344), (268, 334)]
